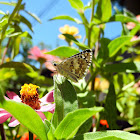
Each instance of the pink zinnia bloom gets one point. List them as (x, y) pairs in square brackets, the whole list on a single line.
[(39, 105), (131, 25), (39, 55)]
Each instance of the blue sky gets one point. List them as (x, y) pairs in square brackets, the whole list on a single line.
[(48, 31)]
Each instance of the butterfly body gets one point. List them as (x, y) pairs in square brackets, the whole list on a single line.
[(76, 66)]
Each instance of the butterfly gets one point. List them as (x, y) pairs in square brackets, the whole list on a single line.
[(76, 66)]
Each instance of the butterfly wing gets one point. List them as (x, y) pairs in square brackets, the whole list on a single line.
[(76, 67)]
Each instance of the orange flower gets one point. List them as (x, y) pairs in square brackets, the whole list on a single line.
[(69, 30), (101, 84), (104, 122), (26, 137)]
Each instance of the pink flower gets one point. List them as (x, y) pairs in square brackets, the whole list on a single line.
[(131, 25), (45, 105), (39, 55)]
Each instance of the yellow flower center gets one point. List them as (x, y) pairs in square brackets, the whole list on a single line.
[(29, 95)]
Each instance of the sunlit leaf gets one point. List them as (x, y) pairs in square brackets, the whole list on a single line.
[(74, 120), (66, 17), (77, 4), (8, 3), (26, 22), (104, 10), (122, 18), (3, 22), (65, 99), (115, 45), (108, 135), (2, 13), (123, 67), (110, 107), (63, 51), (18, 66), (9, 31), (34, 16), (21, 111), (13, 34)]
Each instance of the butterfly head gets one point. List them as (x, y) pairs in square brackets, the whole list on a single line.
[(55, 64)]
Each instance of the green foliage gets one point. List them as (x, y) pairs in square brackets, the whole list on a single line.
[(109, 93), (23, 111), (108, 135), (74, 120), (104, 10), (63, 51)]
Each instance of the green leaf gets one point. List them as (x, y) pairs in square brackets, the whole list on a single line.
[(65, 99), (76, 4), (110, 107), (130, 67), (63, 51), (3, 22), (8, 3), (16, 46), (71, 37), (2, 99), (103, 51), (6, 73), (73, 120), (108, 135), (85, 127), (26, 22), (135, 30), (14, 34), (115, 45), (84, 97), (18, 66), (81, 46), (21, 111), (94, 35), (47, 125), (33, 15), (137, 120), (2, 13), (123, 19), (9, 31), (104, 10), (117, 17), (66, 17)]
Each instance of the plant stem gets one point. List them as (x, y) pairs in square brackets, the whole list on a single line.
[(30, 135), (130, 84), (92, 10), (97, 45), (3, 137), (93, 73), (41, 66), (91, 18), (17, 132), (5, 51), (91, 79)]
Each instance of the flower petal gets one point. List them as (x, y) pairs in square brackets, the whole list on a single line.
[(43, 117), (4, 115), (45, 108), (13, 122), (48, 98), (13, 96), (1, 109)]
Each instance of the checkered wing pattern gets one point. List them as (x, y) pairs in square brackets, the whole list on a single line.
[(76, 66)]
